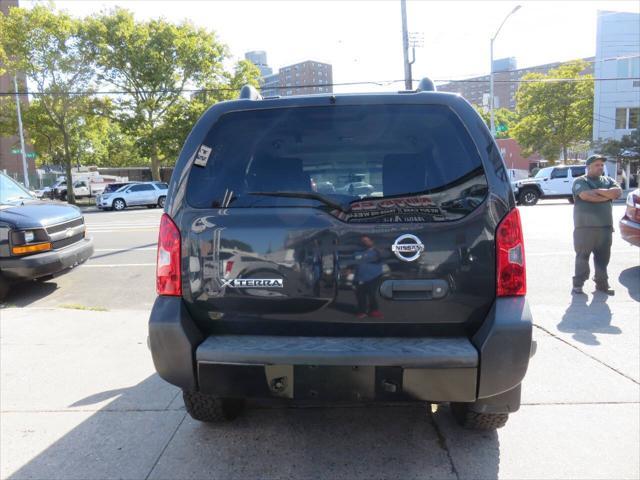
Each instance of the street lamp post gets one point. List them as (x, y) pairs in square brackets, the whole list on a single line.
[(493, 123)]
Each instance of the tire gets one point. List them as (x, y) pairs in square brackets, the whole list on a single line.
[(471, 420), (4, 288), (63, 196), (529, 197), (207, 408), (571, 201), (119, 204), (151, 206), (161, 201)]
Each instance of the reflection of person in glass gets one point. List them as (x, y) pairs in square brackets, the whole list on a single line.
[(368, 270)]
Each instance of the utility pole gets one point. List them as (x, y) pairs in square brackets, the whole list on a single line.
[(22, 147), (408, 82), (491, 99)]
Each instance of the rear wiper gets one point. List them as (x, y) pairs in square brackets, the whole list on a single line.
[(309, 195)]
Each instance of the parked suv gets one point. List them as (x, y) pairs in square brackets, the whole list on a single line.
[(253, 264), (151, 194), (549, 183), (37, 239)]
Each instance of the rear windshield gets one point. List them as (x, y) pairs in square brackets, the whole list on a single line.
[(353, 157)]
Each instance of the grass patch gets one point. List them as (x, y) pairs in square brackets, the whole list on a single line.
[(75, 306)]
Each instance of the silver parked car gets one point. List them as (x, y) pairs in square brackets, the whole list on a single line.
[(151, 194)]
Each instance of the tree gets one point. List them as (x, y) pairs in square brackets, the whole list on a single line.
[(155, 61), (45, 45), (184, 113), (505, 120), (555, 115)]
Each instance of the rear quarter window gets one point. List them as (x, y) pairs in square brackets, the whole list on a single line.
[(352, 155)]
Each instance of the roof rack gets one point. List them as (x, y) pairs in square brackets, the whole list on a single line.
[(426, 85), (248, 92)]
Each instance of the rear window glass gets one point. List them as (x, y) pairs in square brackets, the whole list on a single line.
[(352, 156)]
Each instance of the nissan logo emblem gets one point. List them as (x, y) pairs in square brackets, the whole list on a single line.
[(407, 247)]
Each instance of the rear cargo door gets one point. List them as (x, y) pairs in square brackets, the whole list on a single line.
[(342, 214)]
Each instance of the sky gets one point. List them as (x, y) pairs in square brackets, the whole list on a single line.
[(363, 39)]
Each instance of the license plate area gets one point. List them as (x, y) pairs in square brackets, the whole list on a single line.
[(334, 383)]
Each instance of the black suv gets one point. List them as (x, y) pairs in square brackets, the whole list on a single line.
[(38, 240), (411, 290)]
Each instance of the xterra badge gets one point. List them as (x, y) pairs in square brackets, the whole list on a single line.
[(407, 247), (253, 283)]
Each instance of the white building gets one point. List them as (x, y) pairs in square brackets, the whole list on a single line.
[(616, 108)]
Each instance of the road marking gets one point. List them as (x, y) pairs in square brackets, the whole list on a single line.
[(568, 252), (124, 249), (124, 230), (113, 265)]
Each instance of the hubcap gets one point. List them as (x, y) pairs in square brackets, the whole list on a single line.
[(119, 205), (529, 197)]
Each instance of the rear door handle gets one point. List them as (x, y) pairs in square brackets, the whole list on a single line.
[(414, 289)]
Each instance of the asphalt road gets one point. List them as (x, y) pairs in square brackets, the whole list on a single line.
[(79, 397)]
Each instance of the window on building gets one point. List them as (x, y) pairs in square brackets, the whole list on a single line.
[(634, 118), (621, 118), (627, 118), (628, 67)]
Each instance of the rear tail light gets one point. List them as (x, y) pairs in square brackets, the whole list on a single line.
[(168, 279), (511, 271)]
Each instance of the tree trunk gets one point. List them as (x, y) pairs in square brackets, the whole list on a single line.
[(564, 154), (71, 198), (155, 165)]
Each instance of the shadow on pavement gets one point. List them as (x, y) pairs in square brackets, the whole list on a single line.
[(630, 278), (149, 441), (585, 319), (26, 293)]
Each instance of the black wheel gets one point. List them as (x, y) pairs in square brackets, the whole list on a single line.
[(528, 197), (151, 206), (207, 408), (161, 201), (570, 200), (4, 288), (119, 204), (467, 418), (63, 196)]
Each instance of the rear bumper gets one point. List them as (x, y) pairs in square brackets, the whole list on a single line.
[(456, 369), (48, 263), (630, 231)]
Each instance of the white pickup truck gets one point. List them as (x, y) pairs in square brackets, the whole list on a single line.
[(88, 186), (549, 183)]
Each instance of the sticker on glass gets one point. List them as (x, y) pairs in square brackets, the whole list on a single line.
[(202, 157)]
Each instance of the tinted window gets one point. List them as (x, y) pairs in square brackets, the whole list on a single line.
[(141, 188), (559, 173), (577, 171), (162, 186), (345, 153)]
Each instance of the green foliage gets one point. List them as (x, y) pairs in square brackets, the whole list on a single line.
[(504, 119), (46, 46), (554, 116), (154, 61)]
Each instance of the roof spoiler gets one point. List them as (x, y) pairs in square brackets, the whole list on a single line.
[(248, 92), (426, 85)]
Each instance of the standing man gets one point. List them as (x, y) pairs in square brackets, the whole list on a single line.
[(593, 194)]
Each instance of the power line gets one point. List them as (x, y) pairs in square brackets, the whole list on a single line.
[(380, 83)]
